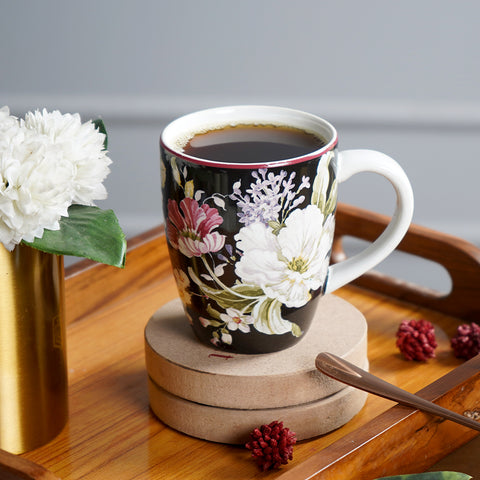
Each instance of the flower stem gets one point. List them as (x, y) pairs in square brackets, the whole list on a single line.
[(213, 275), (221, 284)]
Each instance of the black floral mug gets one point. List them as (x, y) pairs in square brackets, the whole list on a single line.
[(250, 237)]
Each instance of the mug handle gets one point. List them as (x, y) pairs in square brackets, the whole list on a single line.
[(351, 162)]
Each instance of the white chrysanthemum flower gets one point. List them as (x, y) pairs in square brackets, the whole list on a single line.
[(35, 187), (9, 127), (81, 145), (47, 162), (7, 121)]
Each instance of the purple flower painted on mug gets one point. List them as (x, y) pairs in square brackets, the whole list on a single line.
[(191, 229), (269, 198)]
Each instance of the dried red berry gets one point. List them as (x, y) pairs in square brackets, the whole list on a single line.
[(466, 343), (416, 340), (271, 445)]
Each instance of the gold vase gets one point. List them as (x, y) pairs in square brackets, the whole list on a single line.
[(33, 369)]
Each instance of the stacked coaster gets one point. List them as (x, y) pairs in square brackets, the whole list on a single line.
[(222, 397)]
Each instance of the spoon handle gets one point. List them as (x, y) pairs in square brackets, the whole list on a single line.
[(346, 372)]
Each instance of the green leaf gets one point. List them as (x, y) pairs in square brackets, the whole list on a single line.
[(430, 476), (320, 186), (175, 171), (318, 197), (275, 226), (296, 330), (213, 313), (189, 189), (240, 296), (268, 318), (230, 299), (332, 200), (88, 232), (100, 126), (214, 323)]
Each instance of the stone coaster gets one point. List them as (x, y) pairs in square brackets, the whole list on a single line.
[(228, 425), (194, 372)]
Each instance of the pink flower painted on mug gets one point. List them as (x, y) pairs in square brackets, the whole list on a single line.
[(191, 230)]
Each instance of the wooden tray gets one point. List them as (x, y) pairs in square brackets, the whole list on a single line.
[(112, 433)]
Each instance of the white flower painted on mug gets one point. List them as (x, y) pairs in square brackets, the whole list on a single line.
[(235, 319), (222, 338), (287, 266), (226, 338)]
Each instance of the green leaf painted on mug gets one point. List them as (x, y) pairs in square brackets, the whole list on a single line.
[(267, 311), (88, 232), (332, 200), (268, 318), (318, 199), (240, 296), (189, 189), (214, 323), (175, 171), (430, 476), (212, 312), (296, 330), (275, 226), (320, 183)]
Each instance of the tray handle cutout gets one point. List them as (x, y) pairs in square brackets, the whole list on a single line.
[(460, 258)]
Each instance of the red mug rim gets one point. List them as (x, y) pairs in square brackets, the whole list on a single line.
[(179, 131)]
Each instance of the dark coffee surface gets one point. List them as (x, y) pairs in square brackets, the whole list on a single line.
[(253, 144)]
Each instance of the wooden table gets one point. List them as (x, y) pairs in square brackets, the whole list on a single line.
[(112, 434)]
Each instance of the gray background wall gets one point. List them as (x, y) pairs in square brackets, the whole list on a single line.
[(400, 77)]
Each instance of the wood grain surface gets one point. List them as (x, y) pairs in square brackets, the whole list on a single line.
[(112, 434)]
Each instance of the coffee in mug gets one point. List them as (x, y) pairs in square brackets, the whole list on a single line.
[(253, 143)]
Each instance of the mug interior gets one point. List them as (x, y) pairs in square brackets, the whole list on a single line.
[(177, 134)]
